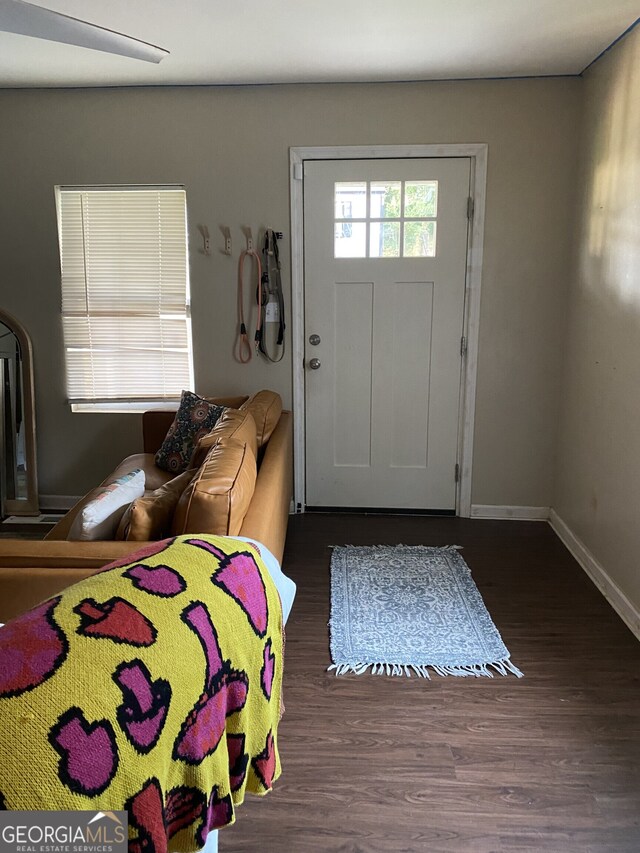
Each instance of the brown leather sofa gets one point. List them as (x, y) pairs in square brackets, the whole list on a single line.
[(31, 571)]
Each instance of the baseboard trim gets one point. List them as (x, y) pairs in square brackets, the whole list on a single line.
[(58, 502), (517, 513), (627, 611)]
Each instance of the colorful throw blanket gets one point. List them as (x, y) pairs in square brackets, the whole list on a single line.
[(153, 686)]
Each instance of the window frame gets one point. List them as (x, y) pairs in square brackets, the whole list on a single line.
[(129, 404)]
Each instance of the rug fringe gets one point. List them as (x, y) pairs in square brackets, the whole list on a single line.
[(481, 670)]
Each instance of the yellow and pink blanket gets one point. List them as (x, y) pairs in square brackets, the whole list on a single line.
[(153, 686)]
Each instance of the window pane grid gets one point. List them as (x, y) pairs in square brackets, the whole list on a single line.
[(385, 219)]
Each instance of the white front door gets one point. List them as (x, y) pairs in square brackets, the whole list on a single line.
[(385, 252)]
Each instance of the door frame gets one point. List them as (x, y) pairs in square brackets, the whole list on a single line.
[(477, 153)]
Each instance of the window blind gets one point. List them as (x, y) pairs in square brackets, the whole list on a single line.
[(125, 293)]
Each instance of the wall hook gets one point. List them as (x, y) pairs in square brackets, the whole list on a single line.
[(226, 233), (249, 237), (206, 242)]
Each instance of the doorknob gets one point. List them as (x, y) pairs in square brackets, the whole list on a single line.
[(314, 363)]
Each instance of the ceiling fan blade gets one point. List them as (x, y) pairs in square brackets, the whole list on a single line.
[(16, 16)]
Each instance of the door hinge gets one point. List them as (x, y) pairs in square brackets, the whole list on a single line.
[(463, 346), (298, 172), (457, 473), (470, 208)]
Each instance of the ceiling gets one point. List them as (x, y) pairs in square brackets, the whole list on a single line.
[(279, 41)]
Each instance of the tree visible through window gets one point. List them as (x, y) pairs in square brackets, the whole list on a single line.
[(125, 294)]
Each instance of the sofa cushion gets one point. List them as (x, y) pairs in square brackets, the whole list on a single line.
[(217, 499), (149, 518), (234, 423), (99, 516), (195, 417), (266, 408)]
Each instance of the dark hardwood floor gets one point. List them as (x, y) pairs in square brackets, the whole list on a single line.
[(550, 762)]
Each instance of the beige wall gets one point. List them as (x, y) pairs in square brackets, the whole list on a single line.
[(229, 147), (598, 483)]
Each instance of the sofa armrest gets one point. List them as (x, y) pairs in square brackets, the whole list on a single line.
[(18, 594), (54, 554), (268, 515), (31, 571)]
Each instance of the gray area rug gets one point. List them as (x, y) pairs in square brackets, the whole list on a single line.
[(403, 610)]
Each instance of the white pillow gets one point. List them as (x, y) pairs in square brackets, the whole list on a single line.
[(99, 518)]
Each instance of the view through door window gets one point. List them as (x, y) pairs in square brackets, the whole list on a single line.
[(385, 219)]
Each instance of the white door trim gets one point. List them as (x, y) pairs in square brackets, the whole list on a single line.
[(477, 152)]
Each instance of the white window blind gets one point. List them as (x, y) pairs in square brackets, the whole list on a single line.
[(125, 293)]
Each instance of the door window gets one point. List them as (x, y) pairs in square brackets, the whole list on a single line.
[(385, 219)]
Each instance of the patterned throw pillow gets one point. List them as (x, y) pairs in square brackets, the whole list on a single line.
[(195, 418)]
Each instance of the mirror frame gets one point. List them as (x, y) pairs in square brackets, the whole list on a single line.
[(29, 505)]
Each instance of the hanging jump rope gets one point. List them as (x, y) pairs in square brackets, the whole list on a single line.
[(243, 346), (271, 292), (268, 290)]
